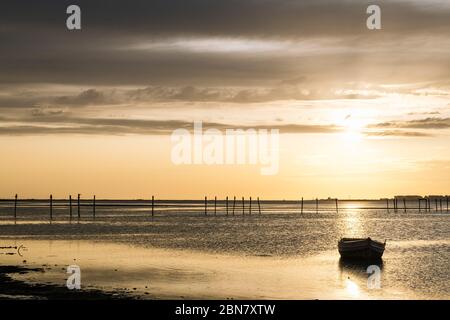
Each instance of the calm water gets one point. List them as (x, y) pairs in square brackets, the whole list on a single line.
[(278, 254)]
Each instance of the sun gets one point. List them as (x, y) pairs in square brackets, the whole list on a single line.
[(352, 129)]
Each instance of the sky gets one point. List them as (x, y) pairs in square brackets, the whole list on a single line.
[(361, 113)]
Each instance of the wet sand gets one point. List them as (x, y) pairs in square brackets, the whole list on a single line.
[(13, 289), (111, 270)]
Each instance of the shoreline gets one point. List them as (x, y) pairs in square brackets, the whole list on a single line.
[(13, 289)]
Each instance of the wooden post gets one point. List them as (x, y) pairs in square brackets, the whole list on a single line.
[(250, 206), (387, 205), (206, 206), (153, 206), (440, 204), (337, 207), (15, 207), (51, 207), (93, 207), (259, 206), (215, 205), (435, 202), (234, 204), (243, 206), (404, 205), (226, 203), (301, 207), (70, 207), (79, 213), (317, 205)]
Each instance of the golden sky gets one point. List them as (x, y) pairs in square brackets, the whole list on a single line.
[(362, 114)]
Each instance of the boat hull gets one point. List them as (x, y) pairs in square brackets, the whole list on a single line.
[(366, 249)]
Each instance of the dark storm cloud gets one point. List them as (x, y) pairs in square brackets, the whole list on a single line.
[(35, 46), (249, 18)]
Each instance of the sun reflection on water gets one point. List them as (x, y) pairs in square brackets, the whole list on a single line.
[(352, 288)]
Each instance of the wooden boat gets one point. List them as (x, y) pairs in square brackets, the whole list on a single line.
[(361, 248)]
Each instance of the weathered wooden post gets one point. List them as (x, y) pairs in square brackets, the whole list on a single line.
[(440, 204), (93, 207), (79, 211), (215, 205), (51, 207), (250, 206), (234, 204), (206, 206), (153, 206), (404, 205), (226, 203), (436, 204), (337, 207), (70, 207), (259, 206), (243, 206), (15, 207), (317, 205), (301, 207)]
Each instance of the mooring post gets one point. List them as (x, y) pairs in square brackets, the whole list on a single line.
[(259, 206), (215, 205), (153, 206), (404, 204), (70, 207), (226, 203), (51, 207), (93, 207), (234, 204), (317, 205), (15, 207), (243, 206), (206, 206), (78, 202), (301, 207), (337, 207)]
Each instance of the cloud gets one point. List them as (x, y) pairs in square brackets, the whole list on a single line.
[(138, 43), (427, 123), (62, 124), (85, 98), (397, 133)]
